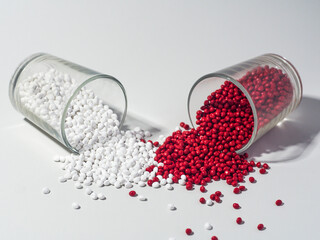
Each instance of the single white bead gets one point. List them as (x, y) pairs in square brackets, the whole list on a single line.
[(76, 205), (171, 207), (94, 196), (142, 184), (182, 182), (88, 191), (155, 185), (45, 190), (208, 226), (78, 185), (169, 180), (163, 182), (169, 187), (142, 198), (209, 202), (62, 179)]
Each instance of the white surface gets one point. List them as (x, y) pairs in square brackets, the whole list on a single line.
[(157, 49)]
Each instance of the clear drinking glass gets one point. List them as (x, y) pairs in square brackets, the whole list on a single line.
[(105, 87), (266, 116)]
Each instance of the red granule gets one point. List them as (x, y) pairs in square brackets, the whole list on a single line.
[(260, 226), (236, 206), (203, 189), (188, 231), (239, 220), (278, 202), (132, 193), (202, 200)]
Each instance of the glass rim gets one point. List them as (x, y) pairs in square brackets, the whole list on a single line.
[(241, 87), (75, 93), (17, 72)]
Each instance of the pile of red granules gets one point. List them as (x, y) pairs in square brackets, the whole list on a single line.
[(225, 124)]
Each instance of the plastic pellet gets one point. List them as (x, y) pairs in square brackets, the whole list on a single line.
[(203, 189), (263, 171), (208, 226), (188, 231), (142, 184), (78, 185), (239, 220), (279, 202), (155, 185), (169, 187), (218, 193), (209, 202), (236, 206), (252, 180), (132, 193), (171, 207), (94, 196), (76, 205), (45, 190), (142, 198), (236, 190), (260, 226), (62, 179), (212, 196), (88, 191)]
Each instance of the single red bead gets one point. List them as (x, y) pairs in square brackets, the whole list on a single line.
[(258, 164), (236, 206), (262, 171), (202, 200), (142, 140), (212, 196), (188, 231), (156, 144), (251, 179), (214, 238), (217, 199), (242, 188), (278, 202), (149, 182), (265, 166), (203, 189), (236, 190), (239, 220), (218, 193), (132, 193), (260, 226)]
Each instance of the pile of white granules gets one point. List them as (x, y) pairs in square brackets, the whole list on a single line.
[(107, 155)]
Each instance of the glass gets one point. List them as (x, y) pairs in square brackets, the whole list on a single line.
[(105, 87), (247, 76)]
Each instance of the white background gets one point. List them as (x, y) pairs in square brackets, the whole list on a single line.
[(158, 49)]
